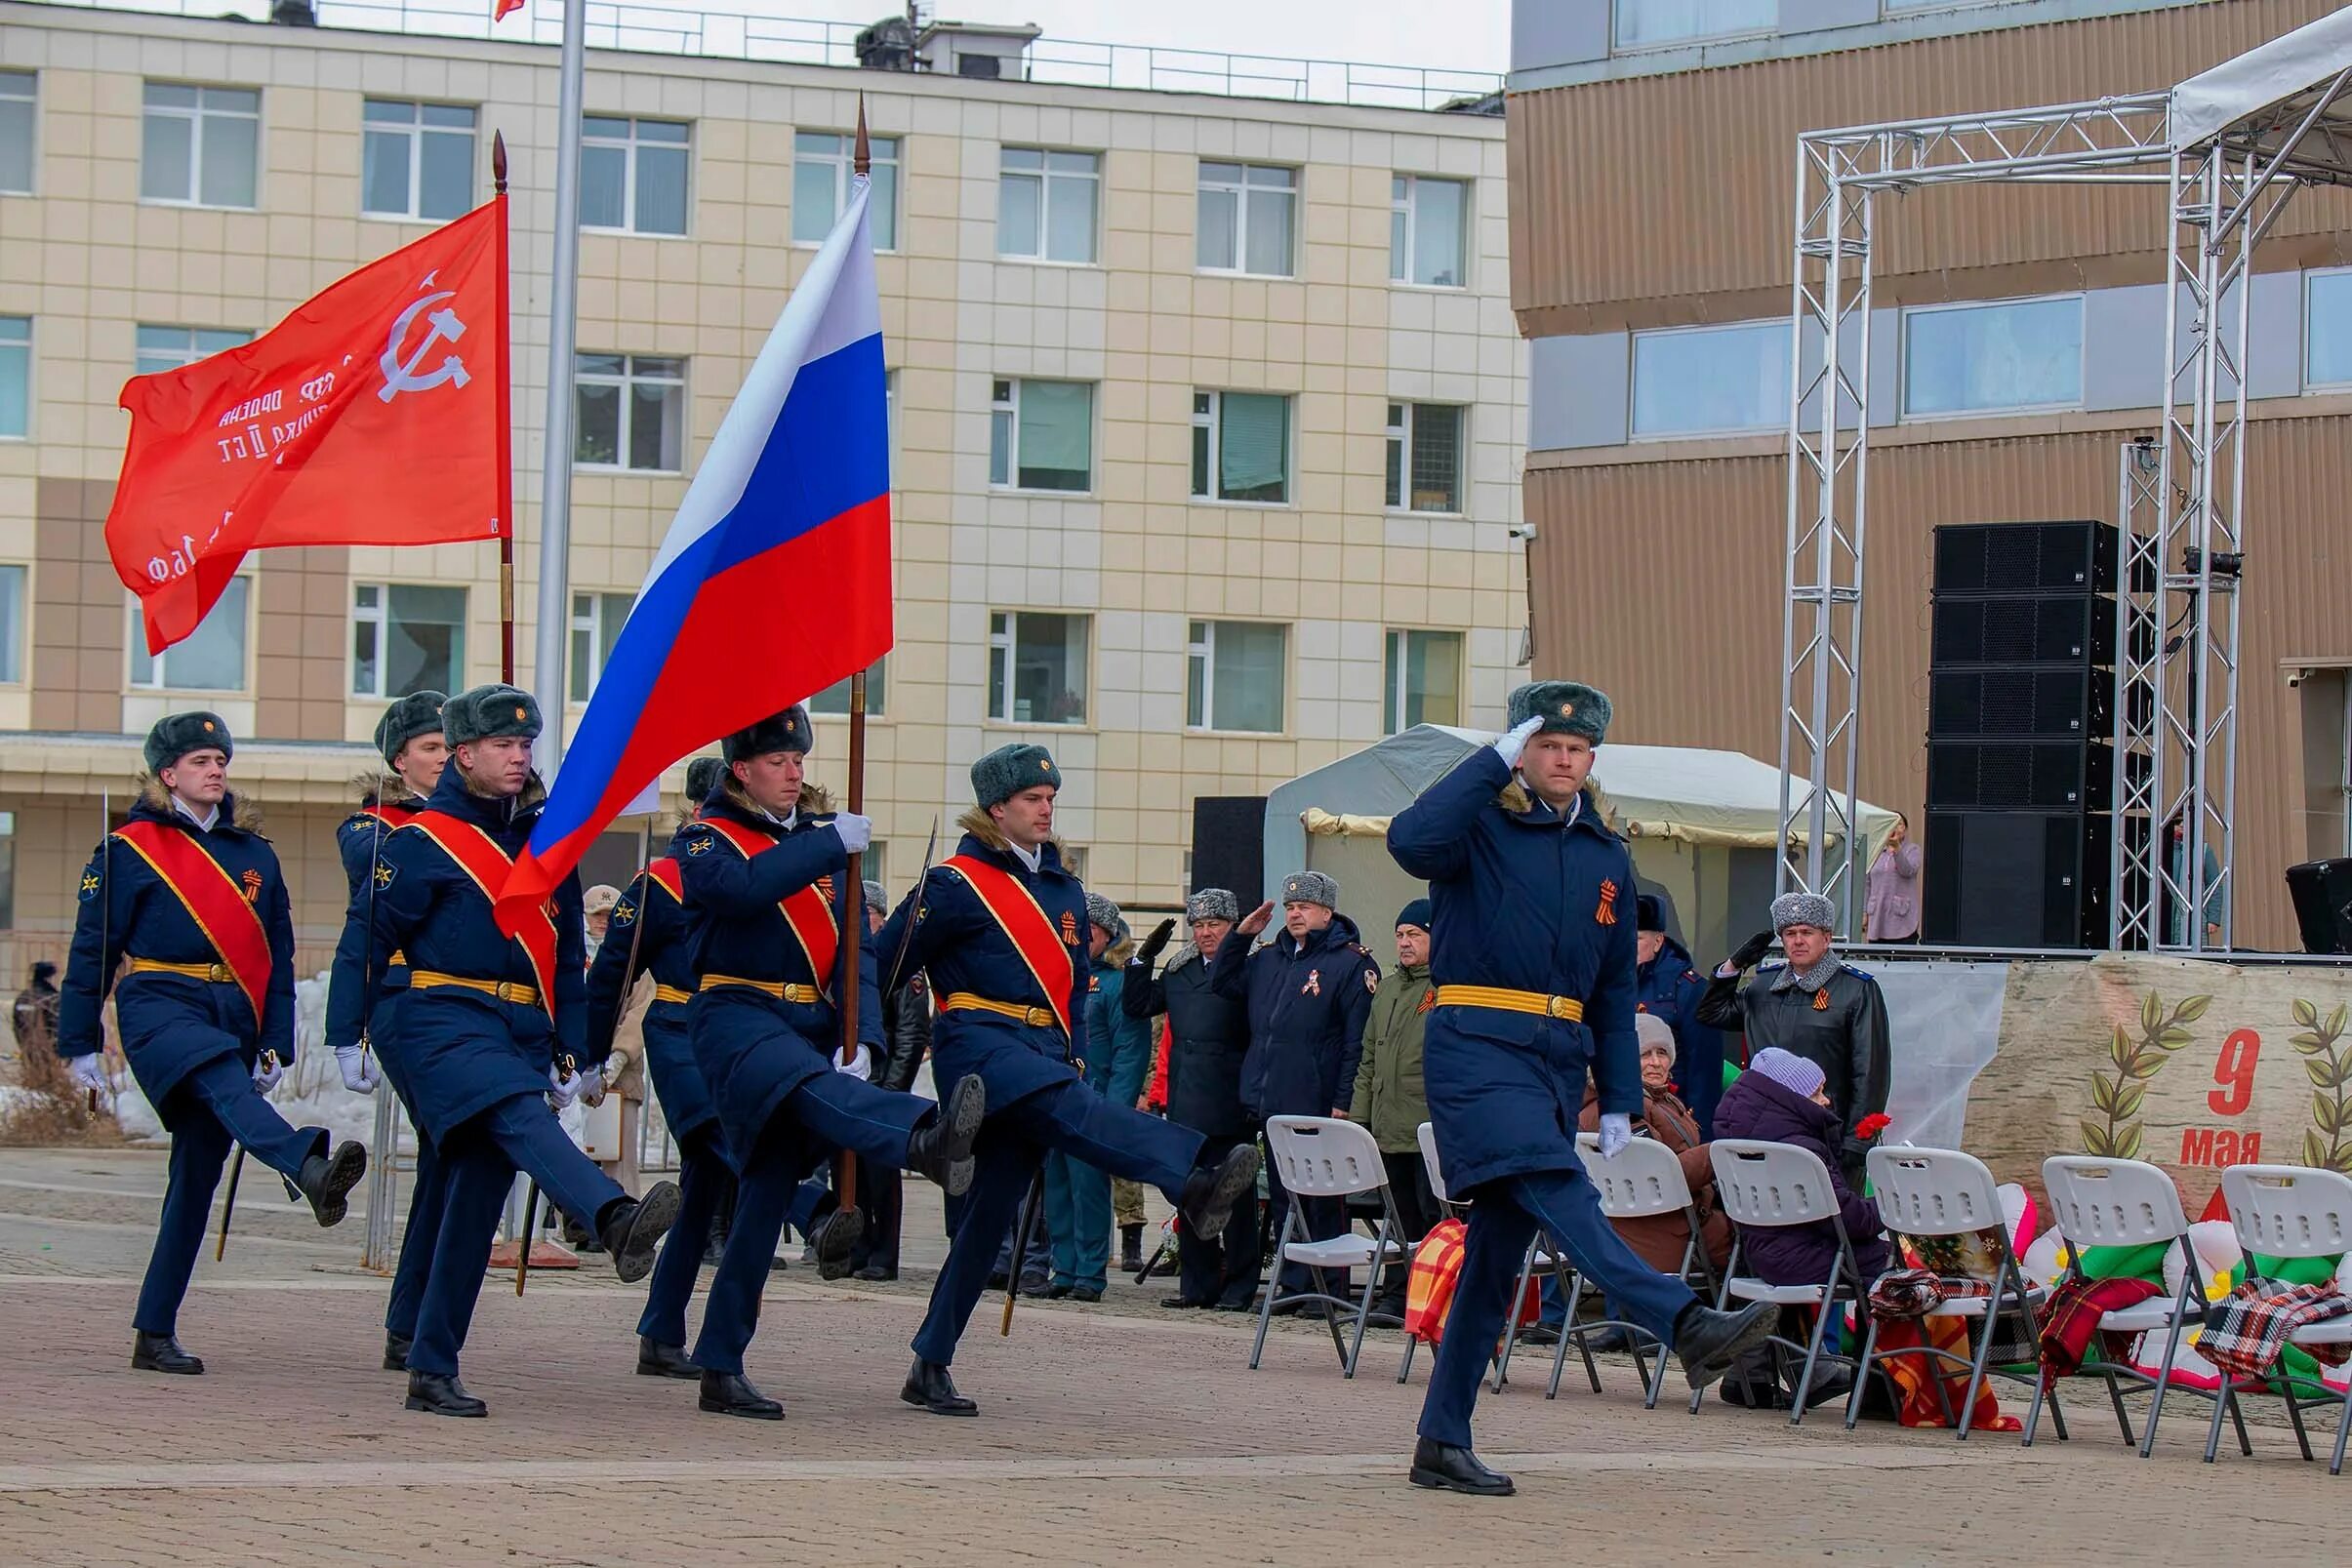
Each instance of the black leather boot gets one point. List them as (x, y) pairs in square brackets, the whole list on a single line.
[(941, 1149), (442, 1394), (1445, 1467), (929, 1386), (395, 1351), (835, 1238), (1707, 1342), (730, 1394), (631, 1226), (1131, 1248), (328, 1179), (161, 1353), (1211, 1190), (658, 1360)]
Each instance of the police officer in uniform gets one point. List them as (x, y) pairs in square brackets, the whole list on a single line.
[(765, 869), (1532, 953), (192, 897), (1001, 928), (494, 1027), (408, 739)]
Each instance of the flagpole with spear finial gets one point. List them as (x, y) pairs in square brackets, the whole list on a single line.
[(846, 1180)]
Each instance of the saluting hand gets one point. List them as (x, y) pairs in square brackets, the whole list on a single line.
[(1154, 943), (1511, 746), (1751, 952), (1255, 921)]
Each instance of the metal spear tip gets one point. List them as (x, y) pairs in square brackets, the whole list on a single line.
[(498, 160), (860, 156)]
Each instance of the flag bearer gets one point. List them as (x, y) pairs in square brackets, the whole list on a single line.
[(192, 897)]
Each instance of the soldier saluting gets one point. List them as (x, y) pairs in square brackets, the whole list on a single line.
[(191, 896), (492, 1026), (1533, 958)]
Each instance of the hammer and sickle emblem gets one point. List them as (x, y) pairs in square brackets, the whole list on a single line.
[(401, 375)]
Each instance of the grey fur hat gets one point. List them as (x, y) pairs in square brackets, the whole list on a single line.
[(876, 896), (1104, 915), (1213, 904), (1803, 910), (702, 778), (488, 713), (1566, 707), (417, 713), (1010, 769), (176, 734), (1311, 887)]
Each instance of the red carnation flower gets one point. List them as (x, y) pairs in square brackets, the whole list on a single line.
[(1874, 1124)]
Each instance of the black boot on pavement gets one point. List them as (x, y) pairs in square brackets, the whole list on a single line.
[(328, 1179), (730, 1394), (161, 1353), (1211, 1190), (1707, 1342), (929, 1386), (658, 1360), (395, 1351), (1445, 1467), (835, 1238), (442, 1395), (1131, 1248), (631, 1228), (941, 1149)]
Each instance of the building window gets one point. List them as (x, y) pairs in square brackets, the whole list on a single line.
[(200, 144), (823, 166), (2327, 332), (1042, 435), (1428, 228), (1240, 446), (1425, 457), (834, 698), (1644, 23), (12, 626), (632, 174), (1986, 358), (1234, 676), (1247, 214), (16, 376), (406, 639), (7, 870), (1037, 667), (1711, 381), (210, 659), (631, 413), (1424, 680), (597, 622), (1047, 204), (162, 348), (18, 119), (415, 160)]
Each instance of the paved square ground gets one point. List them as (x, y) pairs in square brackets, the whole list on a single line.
[(1112, 1433)]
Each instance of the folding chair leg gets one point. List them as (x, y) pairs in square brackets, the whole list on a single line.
[(2295, 1418), (2237, 1418), (1567, 1323), (1657, 1379), (1853, 1397), (1274, 1285), (2032, 1410), (2164, 1372), (2343, 1429), (1812, 1354), (1518, 1293), (1339, 1341), (2122, 1417), (1372, 1287), (2221, 1408), (1978, 1362), (1560, 1350), (1405, 1373)]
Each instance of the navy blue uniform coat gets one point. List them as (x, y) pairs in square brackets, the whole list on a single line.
[(653, 925), (1307, 1003)]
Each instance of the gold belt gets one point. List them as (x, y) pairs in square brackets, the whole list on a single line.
[(1036, 1018), (506, 990), (671, 993), (786, 991), (218, 974), (1511, 1001)]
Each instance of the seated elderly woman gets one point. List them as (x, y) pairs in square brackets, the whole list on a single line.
[(1659, 1240), (1782, 1099)]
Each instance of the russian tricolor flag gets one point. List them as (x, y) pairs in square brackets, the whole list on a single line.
[(775, 579)]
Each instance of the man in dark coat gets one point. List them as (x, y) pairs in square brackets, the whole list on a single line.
[(408, 739), (1670, 988), (1209, 1040), (191, 897), (493, 1029), (1308, 991), (1817, 1006), (1002, 926), (1533, 961)]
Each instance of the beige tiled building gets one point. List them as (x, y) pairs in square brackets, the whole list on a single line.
[(1208, 412)]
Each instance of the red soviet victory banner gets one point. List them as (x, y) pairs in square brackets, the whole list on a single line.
[(375, 414)]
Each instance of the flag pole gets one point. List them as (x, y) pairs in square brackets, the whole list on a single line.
[(506, 427), (845, 1181), (555, 461)]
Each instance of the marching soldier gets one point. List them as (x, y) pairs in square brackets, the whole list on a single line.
[(1001, 928), (192, 897), (652, 934), (1533, 958), (408, 739), (764, 871), (491, 1028)]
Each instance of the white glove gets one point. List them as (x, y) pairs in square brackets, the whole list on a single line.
[(562, 1089), (268, 1070), (359, 1074), (1615, 1132), (90, 1071), (856, 832), (1511, 746), (860, 1067), (589, 1087)]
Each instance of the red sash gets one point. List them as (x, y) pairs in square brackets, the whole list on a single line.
[(478, 855), (223, 909), (389, 816), (1023, 923), (808, 913), (666, 871)]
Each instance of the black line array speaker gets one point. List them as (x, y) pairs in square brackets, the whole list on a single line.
[(1229, 846), (2322, 891), (2020, 719)]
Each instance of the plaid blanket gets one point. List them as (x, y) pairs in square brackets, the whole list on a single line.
[(1914, 1293), (2246, 1335), (2073, 1316)]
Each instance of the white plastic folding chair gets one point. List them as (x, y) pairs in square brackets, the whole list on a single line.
[(2293, 1211), (1644, 1182), (1426, 1135), (2100, 1202), (1324, 1157), (1937, 1192), (1770, 1187)]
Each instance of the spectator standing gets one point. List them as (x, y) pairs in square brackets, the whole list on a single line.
[(1389, 1098), (1670, 988), (597, 907), (1078, 1195), (1891, 914), (35, 1017), (1209, 1040)]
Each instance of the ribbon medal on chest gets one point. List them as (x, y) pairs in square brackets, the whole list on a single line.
[(1314, 983), (1607, 914)]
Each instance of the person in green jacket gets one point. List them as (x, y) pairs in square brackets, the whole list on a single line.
[(1389, 1098)]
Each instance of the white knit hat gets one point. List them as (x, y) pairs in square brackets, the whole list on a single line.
[(1651, 1033)]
